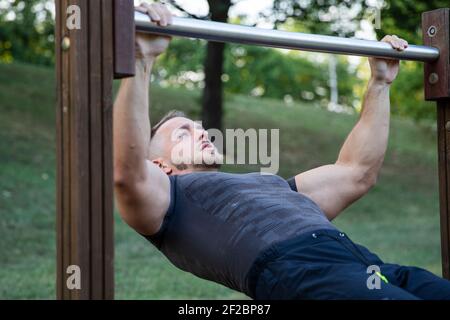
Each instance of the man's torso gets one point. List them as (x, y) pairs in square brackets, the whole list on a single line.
[(219, 223)]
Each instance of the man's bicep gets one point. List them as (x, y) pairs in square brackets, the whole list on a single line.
[(143, 205), (333, 187)]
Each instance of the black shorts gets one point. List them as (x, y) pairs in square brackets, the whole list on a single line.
[(326, 264)]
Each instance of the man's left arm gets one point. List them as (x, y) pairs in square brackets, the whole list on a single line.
[(334, 187)]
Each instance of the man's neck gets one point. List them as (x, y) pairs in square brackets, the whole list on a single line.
[(196, 169)]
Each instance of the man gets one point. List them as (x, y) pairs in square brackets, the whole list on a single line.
[(259, 234)]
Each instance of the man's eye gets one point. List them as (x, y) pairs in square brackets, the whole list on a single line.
[(182, 135)]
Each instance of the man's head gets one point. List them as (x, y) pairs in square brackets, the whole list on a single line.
[(179, 145)]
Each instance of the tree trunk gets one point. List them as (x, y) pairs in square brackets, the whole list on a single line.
[(212, 93), (213, 67)]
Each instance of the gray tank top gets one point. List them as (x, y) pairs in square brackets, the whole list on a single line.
[(218, 223)]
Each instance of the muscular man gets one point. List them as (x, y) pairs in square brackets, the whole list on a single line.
[(259, 234)]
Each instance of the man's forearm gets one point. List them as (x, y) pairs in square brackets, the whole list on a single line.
[(132, 124), (367, 142)]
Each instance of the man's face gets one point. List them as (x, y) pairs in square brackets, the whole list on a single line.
[(185, 146)]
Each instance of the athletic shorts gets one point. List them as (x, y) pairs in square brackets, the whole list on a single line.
[(326, 264)]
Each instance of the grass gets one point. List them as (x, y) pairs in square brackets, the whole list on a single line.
[(398, 219)]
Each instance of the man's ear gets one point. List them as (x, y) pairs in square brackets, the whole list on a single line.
[(160, 163)]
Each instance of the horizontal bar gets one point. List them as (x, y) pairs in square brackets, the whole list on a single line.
[(225, 32)]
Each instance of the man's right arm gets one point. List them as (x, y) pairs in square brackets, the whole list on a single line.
[(142, 189)]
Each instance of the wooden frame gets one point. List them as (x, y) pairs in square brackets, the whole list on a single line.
[(436, 30), (87, 61)]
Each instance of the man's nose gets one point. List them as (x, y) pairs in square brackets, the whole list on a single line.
[(202, 134)]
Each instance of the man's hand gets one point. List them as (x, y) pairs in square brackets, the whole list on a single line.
[(149, 46), (385, 70)]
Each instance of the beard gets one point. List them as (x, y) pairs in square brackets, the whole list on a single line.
[(203, 162)]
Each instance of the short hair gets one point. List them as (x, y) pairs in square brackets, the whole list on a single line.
[(170, 115)]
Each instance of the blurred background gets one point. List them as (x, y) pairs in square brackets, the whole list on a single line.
[(314, 99)]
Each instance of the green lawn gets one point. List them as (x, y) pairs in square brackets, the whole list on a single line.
[(398, 219)]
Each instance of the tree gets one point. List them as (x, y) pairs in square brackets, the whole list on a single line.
[(330, 17), (403, 18), (311, 16), (257, 71), (212, 100), (26, 32)]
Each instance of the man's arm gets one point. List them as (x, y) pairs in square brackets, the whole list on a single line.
[(334, 187), (142, 189)]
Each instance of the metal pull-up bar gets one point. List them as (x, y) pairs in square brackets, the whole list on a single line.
[(225, 32)]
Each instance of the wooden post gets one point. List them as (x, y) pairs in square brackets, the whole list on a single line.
[(436, 32), (124, 35), (85, 68)]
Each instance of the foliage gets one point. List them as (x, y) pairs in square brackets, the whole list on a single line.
[(404, 19), (26, 31), (256, 71), (26, 34), (407, 96), (332, 17)]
